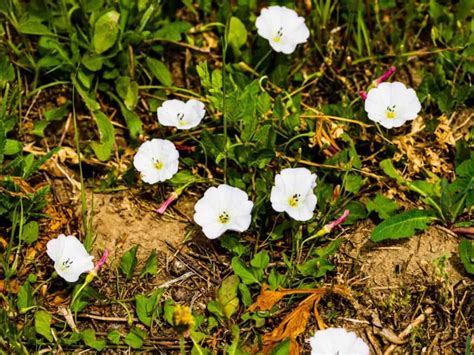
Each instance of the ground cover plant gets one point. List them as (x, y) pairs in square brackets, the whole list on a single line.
[(236, 176)]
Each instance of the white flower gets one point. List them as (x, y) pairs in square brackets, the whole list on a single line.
[(391, 104), (179, 114), (332, 341), (70, 257), (293, 193), (282, 27), (223, 208), (156, 160)]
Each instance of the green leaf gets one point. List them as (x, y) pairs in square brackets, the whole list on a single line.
[(30, 232), (84, 298), (388, 168), (146, 307), (88, 337), (403, 225), (383, 206), (159, 71), (245, 294), (128, 262), (114, 337), (151, 265), (356, 212), (282, 348), (466, 253), (43, 324), (32, 26), (103, 150), (316, 267), (135, 338), (92, 61), (353, 183), (246, 274), (227, 295), (260, 260), (25, 297), (12, 147), (237, 35), (172, 31), (128, 91), (133, 121), (106, 30)]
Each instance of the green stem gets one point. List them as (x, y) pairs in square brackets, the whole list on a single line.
[(260, 62), (181, 344), (224, 116)]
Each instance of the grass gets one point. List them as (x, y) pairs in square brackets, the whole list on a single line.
[(265, 111)]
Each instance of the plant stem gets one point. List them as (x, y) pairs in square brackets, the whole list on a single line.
[(224, 116), (181, 344), (260, 62)]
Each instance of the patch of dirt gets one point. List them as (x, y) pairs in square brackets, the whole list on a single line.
[(121, 221), (405, 262)]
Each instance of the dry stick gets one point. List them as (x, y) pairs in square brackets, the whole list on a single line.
[(418, 320)]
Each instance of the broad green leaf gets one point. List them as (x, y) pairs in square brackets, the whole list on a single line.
[(103, 150), (12, 147), (172, 31), (114, 337), (227, 295), (7, 71), (128, 91), (403, 225), (88, 337), (245, 294), (316, 267), (356, 212), (151, 265), (146, 307), (260, 260), (353, 183), (466, 253), (329, 249), (106, 30), (30, 232), (43, 324), (245, 273), (159, 71), (128, 262), (25, 297), (84, 298), (383, 206), (135, 338), (237, 35), (92, 61), (32, 26), (56, 114), (90, 102)]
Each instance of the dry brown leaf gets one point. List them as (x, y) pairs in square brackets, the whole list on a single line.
[(295, 322)]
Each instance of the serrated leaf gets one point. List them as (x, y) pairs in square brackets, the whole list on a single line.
[(43, 324), (245, 273), (466, 253), (403, 225), (106, 30), (159, 70), (128, 262)]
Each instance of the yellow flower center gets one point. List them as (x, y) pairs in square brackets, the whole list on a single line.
[(224, 218), (390, 112), (66, 264), (183, 318), (278, 36), (294, 200), (158, 165)]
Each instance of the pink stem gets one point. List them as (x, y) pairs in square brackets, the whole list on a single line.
[(102, 260), (167, 202), (385, 76), (330, 226)]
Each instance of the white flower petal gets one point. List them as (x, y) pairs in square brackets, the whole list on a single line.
[(293, 193), (176, 113), (402, 102), (157, 160), (221, 209), (337, 341), (70, 257), (282, 27)]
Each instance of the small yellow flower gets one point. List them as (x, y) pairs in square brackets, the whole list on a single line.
[(182, 318)]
